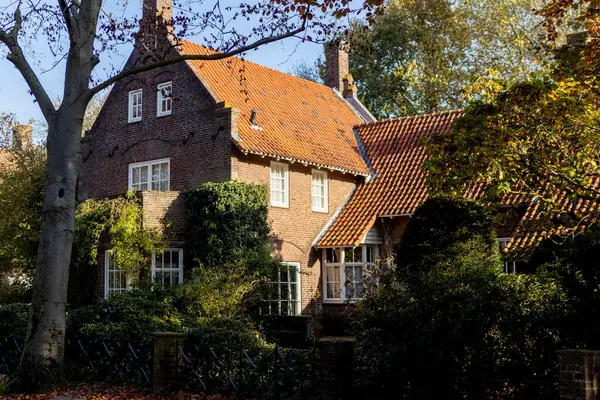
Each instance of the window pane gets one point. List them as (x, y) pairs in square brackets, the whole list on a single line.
[(357, 254), (144, 174)]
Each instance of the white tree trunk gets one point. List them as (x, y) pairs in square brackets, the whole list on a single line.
[(44, 345)]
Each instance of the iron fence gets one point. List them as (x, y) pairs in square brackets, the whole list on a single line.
[(263, 373), (96, 359)]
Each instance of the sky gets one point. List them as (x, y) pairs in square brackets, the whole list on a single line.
[(14, 96)]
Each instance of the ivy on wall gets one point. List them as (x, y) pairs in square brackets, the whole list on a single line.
[(226, 222), (121, 220)]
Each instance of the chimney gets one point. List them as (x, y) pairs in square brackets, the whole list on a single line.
[(349, 86), (151, 9), (22, 136), (156, 26), (336, 64)]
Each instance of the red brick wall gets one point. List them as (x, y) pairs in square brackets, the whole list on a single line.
[(295, 228), (190, 136)]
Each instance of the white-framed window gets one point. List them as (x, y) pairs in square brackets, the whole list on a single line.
[(115, 280), (280, 185), (503, 242), (284, 296), (167, 267), (150, 175), (510, 267), (319, 191), (164, 99), (345, 269), (135, 106)]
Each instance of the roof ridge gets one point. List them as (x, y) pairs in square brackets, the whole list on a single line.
[(255, 63), (409, 117)]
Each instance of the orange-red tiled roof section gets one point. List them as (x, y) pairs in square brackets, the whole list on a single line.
[(396, 152), (296, 119)]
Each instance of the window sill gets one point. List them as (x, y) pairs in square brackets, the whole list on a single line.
[(280, 205), (163, 115), (324, 211), (339, 301), (133, 121)]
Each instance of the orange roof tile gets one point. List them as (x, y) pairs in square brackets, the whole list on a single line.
[(395, 150), (298, 119)]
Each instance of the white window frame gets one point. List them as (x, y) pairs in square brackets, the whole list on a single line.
[(107, 270), (160, 99), (343, 279), (278, 300), (149, 164), (323, 174), (286, 191), (130, 116), (178, 270)]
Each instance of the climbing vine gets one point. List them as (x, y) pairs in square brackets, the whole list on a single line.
[(120, 220)]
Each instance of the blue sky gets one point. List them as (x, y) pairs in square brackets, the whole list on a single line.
[(14, 96)]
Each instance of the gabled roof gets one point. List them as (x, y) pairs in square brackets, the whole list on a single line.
[(297, 120), (395, 150)]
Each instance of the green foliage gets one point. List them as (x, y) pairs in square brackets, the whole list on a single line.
[(538, 137), (217, 293), (419, 55), (456, 316), (574, 263), (226, 222), (14, 318), (136, 314), (120, 219), (22, 182)]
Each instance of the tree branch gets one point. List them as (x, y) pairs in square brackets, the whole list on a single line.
[(184, 57), (18, 59)]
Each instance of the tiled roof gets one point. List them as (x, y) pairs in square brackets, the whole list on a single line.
[(395, 150), (296, 119)]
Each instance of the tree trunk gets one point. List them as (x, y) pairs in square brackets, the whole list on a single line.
[(44, 346)]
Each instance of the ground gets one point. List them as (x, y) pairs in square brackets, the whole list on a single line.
[(112, 392)]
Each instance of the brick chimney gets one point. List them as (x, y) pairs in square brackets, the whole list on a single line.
[(152, 8), (156, 26), (336, 64), (22, 136)]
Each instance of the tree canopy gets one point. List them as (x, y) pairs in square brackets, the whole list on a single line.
[(420, 56)]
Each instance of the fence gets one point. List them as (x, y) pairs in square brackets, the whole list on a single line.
[(329, 370)]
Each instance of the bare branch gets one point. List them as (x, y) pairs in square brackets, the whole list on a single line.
[(204, 57), (18, 59)]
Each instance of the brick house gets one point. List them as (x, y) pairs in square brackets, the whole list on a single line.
[(172, 129), (342, 185)]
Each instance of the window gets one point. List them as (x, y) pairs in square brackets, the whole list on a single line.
[(167, 267), (279, 185), (510, 267), (115, 280), (503, 242), (319, 191), (283, 298), (345, 271), (135, 105), (150, 175), (164, 99)]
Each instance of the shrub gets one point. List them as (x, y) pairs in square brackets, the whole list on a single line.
[(454, 315), (226, 222), (573, 262), (216, 293), (14, 318)]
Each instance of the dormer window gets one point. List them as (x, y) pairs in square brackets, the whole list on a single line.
[(135, 106), (164, 99)]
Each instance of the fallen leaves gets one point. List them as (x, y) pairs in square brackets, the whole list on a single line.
[(106, 391)]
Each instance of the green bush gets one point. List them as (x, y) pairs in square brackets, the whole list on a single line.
[(573, 261), (226, 222), (217, 293), (452, 314), (13, 319)]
